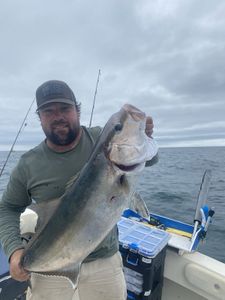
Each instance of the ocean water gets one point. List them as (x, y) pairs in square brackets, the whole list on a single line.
[(171, 188)]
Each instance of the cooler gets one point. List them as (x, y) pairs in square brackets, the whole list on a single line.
[(143, 249)]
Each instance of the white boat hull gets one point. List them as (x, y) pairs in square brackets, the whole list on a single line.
[(193, 276)]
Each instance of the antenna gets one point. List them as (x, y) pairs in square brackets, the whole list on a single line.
[(93, 106)]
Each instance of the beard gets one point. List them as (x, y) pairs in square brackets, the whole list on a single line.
[(62, 133)]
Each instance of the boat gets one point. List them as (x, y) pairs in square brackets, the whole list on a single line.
[(185, 273), (193, 277)]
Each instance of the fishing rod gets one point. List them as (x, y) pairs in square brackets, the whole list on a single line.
[(18, 133), (202, 199), (96, 88)]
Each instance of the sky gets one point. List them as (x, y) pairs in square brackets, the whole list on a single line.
[(165, 57)]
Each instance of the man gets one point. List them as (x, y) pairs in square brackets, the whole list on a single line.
[(41, 175)]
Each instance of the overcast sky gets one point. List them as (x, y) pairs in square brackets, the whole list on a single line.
[(165, 57)]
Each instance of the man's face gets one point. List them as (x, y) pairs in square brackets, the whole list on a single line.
[(60, 123)]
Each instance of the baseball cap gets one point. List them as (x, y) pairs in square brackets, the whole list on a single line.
[(54, 91)]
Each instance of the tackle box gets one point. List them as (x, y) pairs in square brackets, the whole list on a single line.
[(143, 250)]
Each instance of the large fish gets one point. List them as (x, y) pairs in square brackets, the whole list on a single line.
[(75, 224)]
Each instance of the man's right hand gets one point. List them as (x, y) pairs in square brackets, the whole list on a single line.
[(16, 270)]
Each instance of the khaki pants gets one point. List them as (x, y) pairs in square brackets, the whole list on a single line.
[(102, 279)]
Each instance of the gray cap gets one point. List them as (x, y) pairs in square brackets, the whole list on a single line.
[(54, 91)]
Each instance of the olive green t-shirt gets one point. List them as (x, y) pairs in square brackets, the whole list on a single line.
[(41, 175)]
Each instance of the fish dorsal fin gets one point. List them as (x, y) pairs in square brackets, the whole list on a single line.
[(71, 274), (71, 181), (45, 210)]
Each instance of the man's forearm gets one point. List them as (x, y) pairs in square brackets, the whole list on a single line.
[(9, 229)]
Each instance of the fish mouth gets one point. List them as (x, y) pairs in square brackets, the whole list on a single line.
[(127, 168)]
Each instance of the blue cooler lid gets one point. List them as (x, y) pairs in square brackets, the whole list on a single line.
[(145, 240)]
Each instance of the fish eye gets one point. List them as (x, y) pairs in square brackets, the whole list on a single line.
[(118, 127)]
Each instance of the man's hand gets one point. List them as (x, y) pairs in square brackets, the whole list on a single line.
[(16, 270), (149, 126)]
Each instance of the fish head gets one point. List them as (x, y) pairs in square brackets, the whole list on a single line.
[(127, 149)]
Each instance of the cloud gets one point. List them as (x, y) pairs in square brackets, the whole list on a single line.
[(164, 57)]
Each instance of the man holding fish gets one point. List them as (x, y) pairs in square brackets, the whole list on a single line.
[(80, 179)]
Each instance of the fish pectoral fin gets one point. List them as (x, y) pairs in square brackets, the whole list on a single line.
[(71, 274), (138, 204)]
